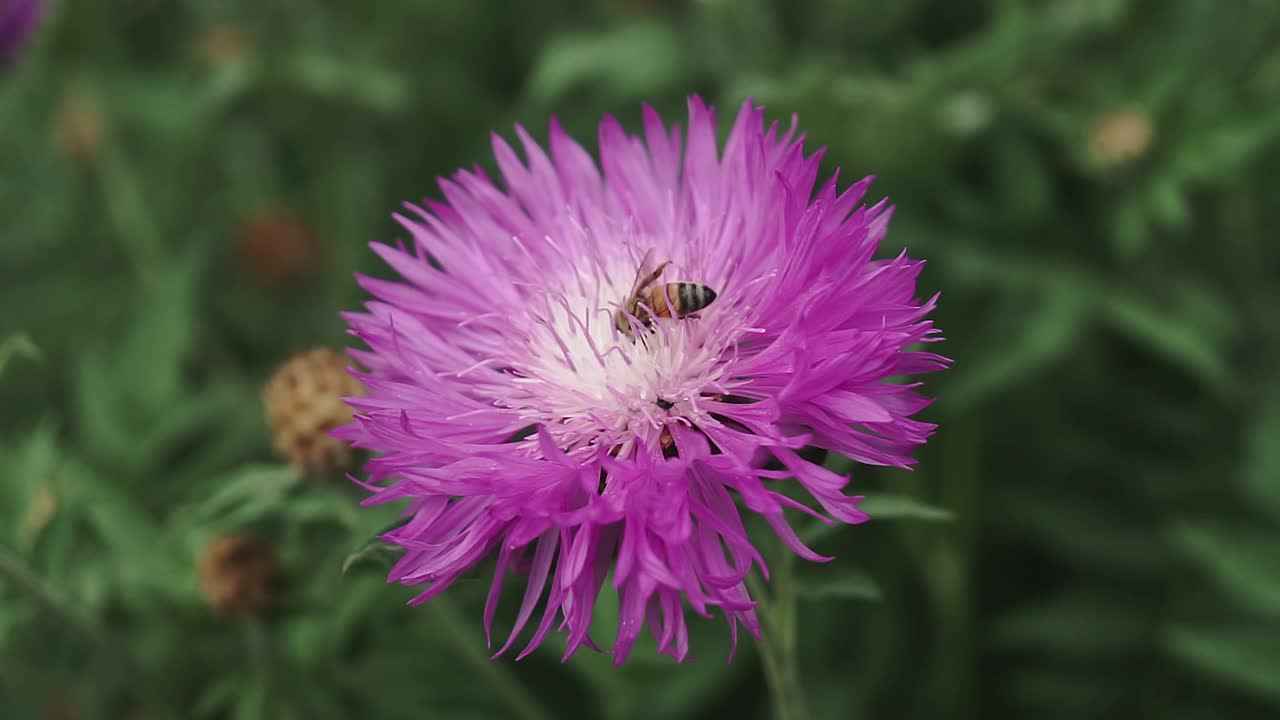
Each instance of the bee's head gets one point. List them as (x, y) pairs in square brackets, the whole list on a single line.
[(621, 321)]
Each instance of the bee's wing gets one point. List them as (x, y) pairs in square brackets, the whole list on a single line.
[(645, 273)]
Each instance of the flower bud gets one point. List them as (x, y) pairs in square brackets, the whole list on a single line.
[(1121, 136), (77, 130), (237, 573), (275, 246), (303, 402)]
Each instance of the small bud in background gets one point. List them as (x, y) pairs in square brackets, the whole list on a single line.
[(223, 45), (77, 127), (303, 402), (1121, 136), (1031, 85), (62, 709), (275, 246), (18, 18), (237, 574), (966, 113), (44, 505)]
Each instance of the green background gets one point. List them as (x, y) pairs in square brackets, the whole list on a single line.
[(1092, 533)]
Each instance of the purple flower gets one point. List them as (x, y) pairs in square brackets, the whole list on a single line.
[(17, 19), (507, 406)]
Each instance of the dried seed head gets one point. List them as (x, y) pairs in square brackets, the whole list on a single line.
[(303, 402), (77, 130), (237, 573), (1121, 136), (223, 45), (275, 246)]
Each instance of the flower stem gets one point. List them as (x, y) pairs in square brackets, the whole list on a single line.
[(778, 641), (129, 215), (258, 648), (523, 704), (13, 572)]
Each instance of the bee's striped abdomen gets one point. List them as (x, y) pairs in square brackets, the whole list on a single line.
[(687, 298)]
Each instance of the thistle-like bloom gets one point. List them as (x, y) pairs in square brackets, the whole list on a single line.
[(17, 19), (521, 419)]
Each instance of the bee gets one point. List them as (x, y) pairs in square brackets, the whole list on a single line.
[(673, 299)]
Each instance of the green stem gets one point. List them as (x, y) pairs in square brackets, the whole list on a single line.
[(523, 704), (946, 560), (15, 574), (953, 576), (778, 641), (258, 647), (129, 215), (18, 576)]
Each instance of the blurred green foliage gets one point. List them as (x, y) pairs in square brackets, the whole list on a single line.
[(1092, 532)]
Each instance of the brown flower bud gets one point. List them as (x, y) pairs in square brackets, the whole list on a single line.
[(77, 130), (1121, 136), (275, 245), (62, 709), (237, 574), (303, 402), (223, 45)]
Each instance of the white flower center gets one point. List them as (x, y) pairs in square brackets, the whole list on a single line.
[(591, 385)]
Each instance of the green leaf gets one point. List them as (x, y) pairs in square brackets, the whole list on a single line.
[(348, 79), (1220, 151), (1130, 228), (211, 409), (1084, 623), (142, 557), (246, 495), (217, 696), (306, 639), (886, 506), (1029, 343), (633, 60), (880, 506), (375, 554), (129, 387), (1180, 341), (1262, 473), (1022, 180), (1245, 658), (150, 367), (253, 701), (1168, 204), (322, 506), (1072, 692), (17, 345), (103, 428), (1078, 17), (1114, 540), (1245, 564), (843, 582), (31, 467), (358, 601)]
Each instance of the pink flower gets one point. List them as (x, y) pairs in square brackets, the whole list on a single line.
[(507, 407), (18, 19)]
